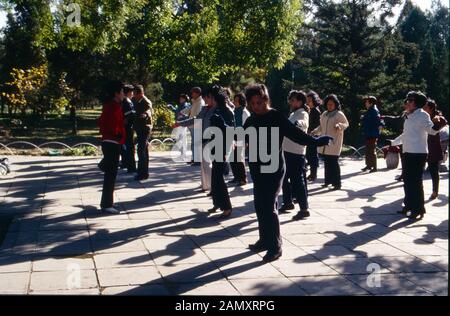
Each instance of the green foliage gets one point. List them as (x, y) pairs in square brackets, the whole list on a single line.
[(163, 117)]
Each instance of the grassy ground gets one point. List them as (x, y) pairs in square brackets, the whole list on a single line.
[(59, 129)]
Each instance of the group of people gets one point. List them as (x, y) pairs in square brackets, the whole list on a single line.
[(126, 111), (301, 137)]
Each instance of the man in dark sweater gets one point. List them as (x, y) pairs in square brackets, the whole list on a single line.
[(128, 160), (143, 127), (372, 124)]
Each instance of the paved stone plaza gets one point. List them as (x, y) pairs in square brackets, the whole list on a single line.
[(165, 243)]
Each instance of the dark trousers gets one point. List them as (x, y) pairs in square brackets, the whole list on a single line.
[(371, 154), (294, 183), (402, 162), (238, 166), (142, 151), (332, 170), (433, 168), (266, 188), (312, 158), (413, 166), (128, 160), (219, 190), (110, 164)]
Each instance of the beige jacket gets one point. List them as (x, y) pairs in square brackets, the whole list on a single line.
[(332, 124), (301, 118)]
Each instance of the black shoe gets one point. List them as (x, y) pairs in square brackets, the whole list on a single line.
[(399, 178), (257, 247), (373, 170), (325, 185), (434, 196), (226, 214), (213, 210), (301, 215), (140, 178), (416, 215), (209, 194), (365, 168), (286, 207), (336, 187), (194, 164), (272, 256)]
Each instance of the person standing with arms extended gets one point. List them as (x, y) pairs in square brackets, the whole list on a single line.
[(200, 124), (314, 103), (414, 139), (333, 122), (222, 118), (372, 124), (112, 129), (143, 127), (295, 183), (266, 184)]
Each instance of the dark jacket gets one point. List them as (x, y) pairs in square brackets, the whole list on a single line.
[(273, 118), (372, 122), (434, 149), (222, 118), (314, 119), (128, 113)]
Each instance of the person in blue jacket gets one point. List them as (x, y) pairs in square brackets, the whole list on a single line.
[(372, 124)]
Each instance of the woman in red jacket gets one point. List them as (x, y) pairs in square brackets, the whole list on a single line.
[(112, 129)]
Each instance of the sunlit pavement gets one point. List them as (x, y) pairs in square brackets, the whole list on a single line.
[(164, 242)]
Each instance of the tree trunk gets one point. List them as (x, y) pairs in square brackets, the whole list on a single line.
[(73, 119)]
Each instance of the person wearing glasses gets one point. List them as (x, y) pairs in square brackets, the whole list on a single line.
[(418, 125)]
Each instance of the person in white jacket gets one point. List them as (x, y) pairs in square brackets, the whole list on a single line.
[(294, 182), (414, 139), (197, 104)]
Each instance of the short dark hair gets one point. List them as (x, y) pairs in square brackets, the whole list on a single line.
[(111, 88), (333, 98), (138, 88), (128, 88), (419, 98), (433, 106), (242, 100), (196, 90), (300, 96), (257, 90), (315, 97)]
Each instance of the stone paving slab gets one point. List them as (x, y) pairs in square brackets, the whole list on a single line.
[(165, 243)]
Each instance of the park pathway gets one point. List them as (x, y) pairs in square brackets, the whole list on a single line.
[(165, 243)]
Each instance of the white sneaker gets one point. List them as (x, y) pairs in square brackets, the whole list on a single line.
[(111, 210)]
